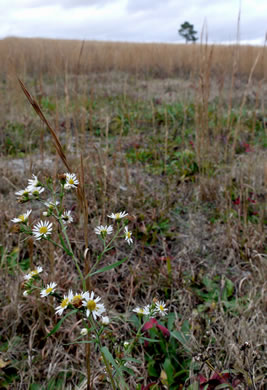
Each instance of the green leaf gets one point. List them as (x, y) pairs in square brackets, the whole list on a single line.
[(194, 386), (130, 359), (109, 357), (228, 290), (135, 320), (107, 268), (181, 338), (128, 370), (168, 368), (171, 320), (185, 328), (151, 368), (35, 386), (55, 329), (150, 340), (223, 386)]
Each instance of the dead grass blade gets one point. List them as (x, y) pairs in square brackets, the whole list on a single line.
[(39, 112)]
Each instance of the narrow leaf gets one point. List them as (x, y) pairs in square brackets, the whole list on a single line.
[(223, 386), (109, 357), (107, 268), (55, 329)]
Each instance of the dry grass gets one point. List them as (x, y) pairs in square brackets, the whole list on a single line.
[(128, 115), (55, 57)]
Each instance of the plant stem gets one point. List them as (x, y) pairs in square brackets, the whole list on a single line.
[(109, 371), (88, 367), (55, 243), (63, 228), (105, 250)]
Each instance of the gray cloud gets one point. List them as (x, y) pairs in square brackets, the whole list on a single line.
[(132, 20), (65, 3)]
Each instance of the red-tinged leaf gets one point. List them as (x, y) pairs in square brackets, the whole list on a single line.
[(201, 379), (222, 378), (164, 330), (149, 324), (143, 387)]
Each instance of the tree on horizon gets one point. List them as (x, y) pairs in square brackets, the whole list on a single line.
[(187, 32)]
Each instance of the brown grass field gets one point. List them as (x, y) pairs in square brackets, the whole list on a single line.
[(176, 136)]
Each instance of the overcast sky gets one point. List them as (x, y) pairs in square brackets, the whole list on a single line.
[(133, 20)]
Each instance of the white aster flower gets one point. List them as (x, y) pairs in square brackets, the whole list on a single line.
[(128, 235), (118, 216), (105, 320), (36, 191), (103, 230), (126, 344), (92, 305), (51, 205), (50, 288), (142, 310), (84, 332), (64, 303), (71, 181), (23, 218), (33, 183), (42, 229), (161, 308), (66, 217), (150, 310), (23, 193), (33, 273)]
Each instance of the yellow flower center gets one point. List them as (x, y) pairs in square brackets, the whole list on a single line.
[(71, 181), (43, 230), (65, 302), (76, 299), (141, 311), (21, 217), (128, 235), (117, 216), (161, 308), (48, 290), (34, 272), (91, 305)]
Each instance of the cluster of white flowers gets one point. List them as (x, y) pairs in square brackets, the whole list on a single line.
[(33, 189), (157, 307), (88, 300), (33, 273), (42, 229), (108, 229)]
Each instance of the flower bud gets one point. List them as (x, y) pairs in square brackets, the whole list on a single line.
[(84, 332)]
